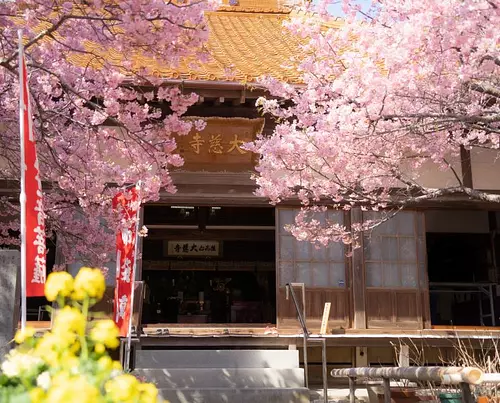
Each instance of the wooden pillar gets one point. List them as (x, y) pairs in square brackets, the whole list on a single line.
[(140, 242), (493, 227), (358, 277), (387, 390), (361, 357), (352, 390), (466, 166), (404, 356)]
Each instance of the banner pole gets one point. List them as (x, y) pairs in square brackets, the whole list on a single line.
[(129, 332), (22, 195)]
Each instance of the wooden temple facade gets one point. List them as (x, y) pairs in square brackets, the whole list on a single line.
[(217, 257)]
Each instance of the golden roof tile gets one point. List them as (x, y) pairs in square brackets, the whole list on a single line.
[(246, 41)]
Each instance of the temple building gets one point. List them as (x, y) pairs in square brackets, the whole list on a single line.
[(217, 258)]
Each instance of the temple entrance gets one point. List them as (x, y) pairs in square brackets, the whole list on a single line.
[(209, 265), (462, 268)]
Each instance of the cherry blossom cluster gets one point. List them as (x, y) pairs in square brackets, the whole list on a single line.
[(387, 94), (103, 117)]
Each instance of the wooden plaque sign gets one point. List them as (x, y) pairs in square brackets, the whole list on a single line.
[(326, 315), (193, 248), (218, 147)]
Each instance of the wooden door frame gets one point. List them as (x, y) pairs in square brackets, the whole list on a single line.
[(358, 283), (422, 290)]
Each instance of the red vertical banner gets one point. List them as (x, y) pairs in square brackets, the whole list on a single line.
[(33, 233), (127, 205)]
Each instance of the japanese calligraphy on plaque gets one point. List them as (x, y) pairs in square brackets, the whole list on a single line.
[(220, 145), (193, 248)]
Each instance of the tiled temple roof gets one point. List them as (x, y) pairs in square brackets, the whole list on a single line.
[(246, 41)]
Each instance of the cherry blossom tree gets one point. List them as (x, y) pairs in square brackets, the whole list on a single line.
[(102, 119), (408, 87)]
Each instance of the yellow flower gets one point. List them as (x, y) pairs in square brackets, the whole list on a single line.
[(60, 378), (58, 284), (148, 393), (99, 348), (70, 361), (123, 388), (105, 332), (117, 366), (89, 282), (22, 335), (76, 389), (47, 349), (57, 348), (69, 319), (37, 395), (105, 363)]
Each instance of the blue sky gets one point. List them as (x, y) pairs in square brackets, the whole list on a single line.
[(336, 9)]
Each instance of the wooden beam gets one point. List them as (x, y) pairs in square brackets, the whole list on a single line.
[(219, 101), (358, 277), (241, 100), (224, 111), (169, 234), (229, 94)]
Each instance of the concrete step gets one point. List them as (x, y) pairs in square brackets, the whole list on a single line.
[(222, 395), (167, 359), (224, 377)]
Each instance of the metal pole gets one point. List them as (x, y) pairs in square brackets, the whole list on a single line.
[(303, 288), (352, 390), (128, 347), (22, 196), (466, 393), (306, 374), (387, 390), (492, 306), (306, 367), (325, 370)]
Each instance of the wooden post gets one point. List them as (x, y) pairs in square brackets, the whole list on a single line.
[(361, 358), (387, 390), (358, 277), (404, 356), (324, 369), (352, 390)]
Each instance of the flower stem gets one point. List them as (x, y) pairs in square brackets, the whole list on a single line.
[(83, 339), (60, 302)]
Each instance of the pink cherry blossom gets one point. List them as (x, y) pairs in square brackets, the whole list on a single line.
[(404, 87), (101, 120)]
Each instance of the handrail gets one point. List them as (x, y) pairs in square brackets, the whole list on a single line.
[(302, 321), (301, 318), (463, 376)]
